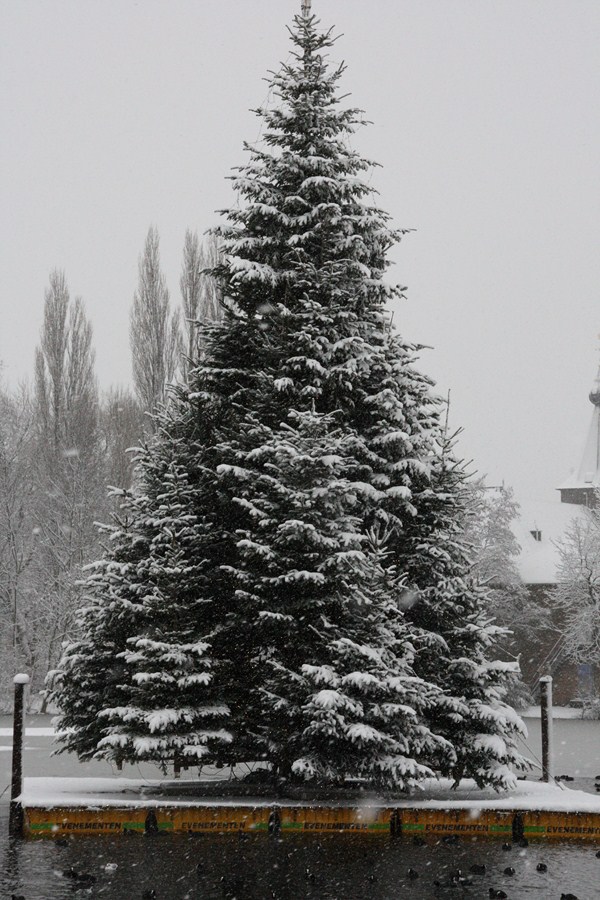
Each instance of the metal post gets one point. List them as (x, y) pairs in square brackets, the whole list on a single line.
[(15, 819), (546, 710)]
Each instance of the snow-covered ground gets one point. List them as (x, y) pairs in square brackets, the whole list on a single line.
[(558, 712), (132, 793), (30, 732), (576, 753), (576, 746)]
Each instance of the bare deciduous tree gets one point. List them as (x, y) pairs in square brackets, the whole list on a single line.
[(155, 332), (508, 601), (577, 597), (17, 538)]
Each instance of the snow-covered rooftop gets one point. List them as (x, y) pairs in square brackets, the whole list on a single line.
[(538, 529)]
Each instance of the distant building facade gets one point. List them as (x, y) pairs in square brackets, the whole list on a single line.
[(538, 530)]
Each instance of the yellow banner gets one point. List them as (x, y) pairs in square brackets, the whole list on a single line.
[(56, 822), (290, 819)]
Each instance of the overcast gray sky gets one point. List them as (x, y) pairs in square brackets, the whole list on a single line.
[(119, 114)]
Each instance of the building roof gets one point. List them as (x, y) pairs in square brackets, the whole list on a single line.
[(538, 529), (542, 524)]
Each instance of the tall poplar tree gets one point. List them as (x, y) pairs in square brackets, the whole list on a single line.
[(66, 468), (154, 331), (305, 528), (200, 297)]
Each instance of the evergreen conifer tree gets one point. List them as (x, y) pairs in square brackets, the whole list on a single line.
[(330, 689), (139, 682), (454, 636), (299, 512)]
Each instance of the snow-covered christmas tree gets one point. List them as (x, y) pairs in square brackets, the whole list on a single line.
[(289, 583)]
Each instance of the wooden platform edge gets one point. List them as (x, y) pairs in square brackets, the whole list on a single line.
[(511, 825)]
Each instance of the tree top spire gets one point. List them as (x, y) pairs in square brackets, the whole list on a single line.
[(306, 8)]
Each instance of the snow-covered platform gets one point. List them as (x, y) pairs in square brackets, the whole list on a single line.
[(58, 806)]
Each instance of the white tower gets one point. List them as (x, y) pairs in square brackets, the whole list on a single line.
[(582, 486)]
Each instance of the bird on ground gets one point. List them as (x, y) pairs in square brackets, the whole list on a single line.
[(456, 878)]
